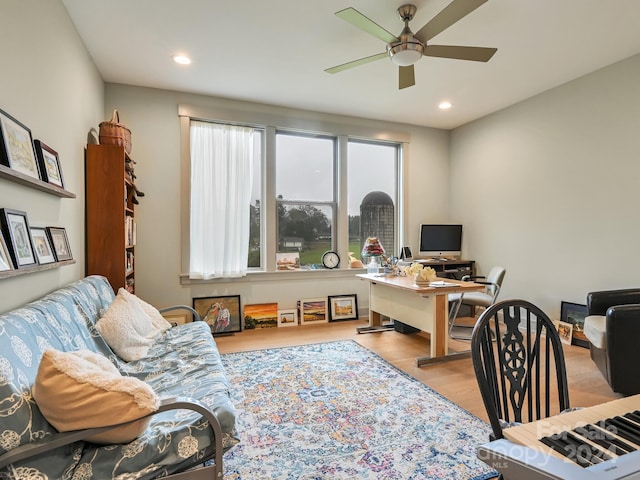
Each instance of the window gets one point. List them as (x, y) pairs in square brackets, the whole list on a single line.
[(305, 184), (372, 194), (309, 193), (222, 164)]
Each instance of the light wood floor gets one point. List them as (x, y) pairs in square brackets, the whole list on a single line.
[(455, 380)]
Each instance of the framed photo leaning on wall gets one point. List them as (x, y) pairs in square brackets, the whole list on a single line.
[(5, 258), (575, 313), (343, 307), (60, 243), (15, 229), (49, 164), (221, 313), (16, 147), (42, 245)]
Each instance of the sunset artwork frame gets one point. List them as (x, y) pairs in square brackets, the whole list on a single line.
[(260, 315), (313, 310)]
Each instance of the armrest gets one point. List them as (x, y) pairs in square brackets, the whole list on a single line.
[(57, 440), (470, 278), (622, 333), (196, 316)]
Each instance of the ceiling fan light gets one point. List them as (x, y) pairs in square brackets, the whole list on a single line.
[(405, 53)]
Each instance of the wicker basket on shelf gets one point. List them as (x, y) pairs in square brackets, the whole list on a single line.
[(112, 132)]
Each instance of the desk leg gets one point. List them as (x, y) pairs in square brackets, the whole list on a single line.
[(375, 324), (439, 337)]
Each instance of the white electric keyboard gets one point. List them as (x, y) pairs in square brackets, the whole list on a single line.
[(596, 443)]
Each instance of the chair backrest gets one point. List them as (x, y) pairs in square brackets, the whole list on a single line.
[(495, 278), (599, 302), (519, 364)]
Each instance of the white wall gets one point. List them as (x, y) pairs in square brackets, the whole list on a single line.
[(152, 116), (50, 84), (548, 188)]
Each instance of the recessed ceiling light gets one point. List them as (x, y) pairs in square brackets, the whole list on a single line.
[(444, 105), (182, 59)]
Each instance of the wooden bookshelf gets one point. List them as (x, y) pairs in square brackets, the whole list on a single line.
[(110, 216)]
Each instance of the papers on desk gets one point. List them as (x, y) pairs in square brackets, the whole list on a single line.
[(442, 284)]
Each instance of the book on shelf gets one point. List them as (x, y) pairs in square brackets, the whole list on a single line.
[(130, 231), (128, 267)]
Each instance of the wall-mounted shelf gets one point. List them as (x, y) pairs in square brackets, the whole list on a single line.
[(17, 177), (35, 268)]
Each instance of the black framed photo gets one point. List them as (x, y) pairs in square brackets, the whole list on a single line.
[(15, 228), (222, 313), (16, 149), (343, 307), (49, 164), (42, 245), (575, 313), (60, 243), (5, 257)]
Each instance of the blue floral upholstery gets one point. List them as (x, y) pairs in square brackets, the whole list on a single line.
[(184, 362)]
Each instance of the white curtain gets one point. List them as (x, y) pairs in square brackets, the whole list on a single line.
[(221, 175)]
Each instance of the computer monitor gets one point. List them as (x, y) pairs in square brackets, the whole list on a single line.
[(440, 240)]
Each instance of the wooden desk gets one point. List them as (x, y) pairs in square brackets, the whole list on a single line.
[(422, 307)]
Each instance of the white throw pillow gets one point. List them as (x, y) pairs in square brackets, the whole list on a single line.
[(126, 328), (83, 389), (159, 323)]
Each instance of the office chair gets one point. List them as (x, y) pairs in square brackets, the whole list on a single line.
[(519, 365), (485, 299)]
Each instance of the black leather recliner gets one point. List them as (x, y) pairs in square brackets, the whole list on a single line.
[(613, 330)]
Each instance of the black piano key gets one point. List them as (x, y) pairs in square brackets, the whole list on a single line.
[(631, 425), (635, 416), (619, 429), (597, 455), (560, 445), (614, 439), (604, 439)]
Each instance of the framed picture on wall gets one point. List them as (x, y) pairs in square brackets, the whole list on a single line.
[(15, 228), (16, 147), (222, 313), (574, 314)]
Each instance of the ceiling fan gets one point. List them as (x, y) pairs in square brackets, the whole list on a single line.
[(408, 47)]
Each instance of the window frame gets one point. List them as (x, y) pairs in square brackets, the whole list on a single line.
[(271, 123)]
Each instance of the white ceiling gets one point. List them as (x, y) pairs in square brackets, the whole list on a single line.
[(276, 51)]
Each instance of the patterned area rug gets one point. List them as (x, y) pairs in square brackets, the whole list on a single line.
[(336, 410)]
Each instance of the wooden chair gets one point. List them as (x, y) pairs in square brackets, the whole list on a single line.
[(519, 364)]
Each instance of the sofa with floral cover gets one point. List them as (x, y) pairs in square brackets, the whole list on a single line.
[(176, 395)]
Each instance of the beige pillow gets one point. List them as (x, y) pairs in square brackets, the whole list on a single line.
[(126, 328), (159, 323), (83, 389)]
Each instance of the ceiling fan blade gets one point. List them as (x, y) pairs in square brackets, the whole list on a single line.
[(406, 77), (355, 18), (357, 63), (476, 54), (453, 12)]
